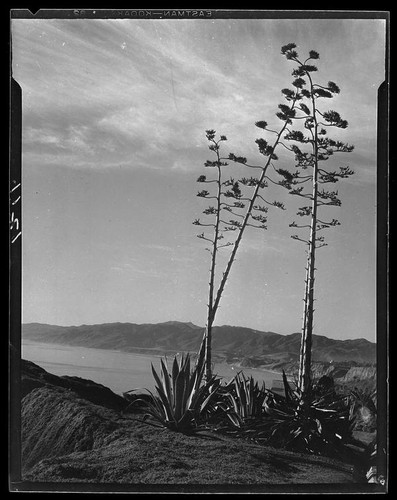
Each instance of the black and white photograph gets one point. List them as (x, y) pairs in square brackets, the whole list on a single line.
[(198, 215)]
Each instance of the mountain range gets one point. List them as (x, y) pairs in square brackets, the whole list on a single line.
[(230, 343)]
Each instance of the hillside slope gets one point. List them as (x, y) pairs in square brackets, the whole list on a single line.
[(67, 438)]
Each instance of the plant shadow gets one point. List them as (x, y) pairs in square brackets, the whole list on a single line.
[(276, 462)]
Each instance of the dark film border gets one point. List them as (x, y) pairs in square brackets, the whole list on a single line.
[(15, 250)]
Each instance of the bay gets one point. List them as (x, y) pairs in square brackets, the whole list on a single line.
[(120, 371)]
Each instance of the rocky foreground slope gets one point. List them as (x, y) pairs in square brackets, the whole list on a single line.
[(74, 430)]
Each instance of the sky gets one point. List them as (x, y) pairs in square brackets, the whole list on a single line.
[(114, 120)]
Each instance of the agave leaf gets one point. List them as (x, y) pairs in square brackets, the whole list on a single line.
[(242, 397), (192, 387), (237, 386), (175, 370), (191, 397), (287, 389), (228, 385), (179, 402), (150, 393), (251, 396), (325, 410), (206, 403), (246, 392), (168, 409), (156, 412), (162, 394), (135, 390), (207, 385), (166, 382), (155, 405), (251, 401), (211, 396), (157, 378), (194, 380), (188, 388), (200, 373), (138, 400), (200, 362), (198, 399), (235, 419), (234, 405), (182, 386), (186, 366)]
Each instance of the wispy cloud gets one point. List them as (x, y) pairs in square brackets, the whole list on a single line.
[(125, 104), (161, 248), (147, 85), (140, 271), (113, 91)]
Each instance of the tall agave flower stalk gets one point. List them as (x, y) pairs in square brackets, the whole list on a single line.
[(230, 199), (318, 148), (247, 209)]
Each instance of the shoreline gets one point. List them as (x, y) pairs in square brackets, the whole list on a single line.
[(123, 370), (120, 374), (147, 354)]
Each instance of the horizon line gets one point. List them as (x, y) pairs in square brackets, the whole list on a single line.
[(191, 323)]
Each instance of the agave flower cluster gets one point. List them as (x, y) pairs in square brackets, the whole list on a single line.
[(310, 143)]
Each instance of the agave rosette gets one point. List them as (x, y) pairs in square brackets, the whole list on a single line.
[(309, 422), (181, 397)]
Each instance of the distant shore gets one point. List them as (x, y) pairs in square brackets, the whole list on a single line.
[(157, 353), (118, 369)]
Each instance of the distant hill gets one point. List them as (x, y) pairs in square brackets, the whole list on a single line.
[(232, 343)]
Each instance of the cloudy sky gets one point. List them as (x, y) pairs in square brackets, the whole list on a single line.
[(114, 120)]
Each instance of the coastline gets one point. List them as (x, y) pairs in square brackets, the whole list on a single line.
[(120, 370), (148, 353)]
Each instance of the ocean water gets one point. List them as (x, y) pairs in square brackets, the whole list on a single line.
[(120, 371)]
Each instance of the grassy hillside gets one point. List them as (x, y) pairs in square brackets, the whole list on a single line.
[(69, 437)]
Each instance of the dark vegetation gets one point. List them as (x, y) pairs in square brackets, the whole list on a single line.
[(319, 420), (67, 437)]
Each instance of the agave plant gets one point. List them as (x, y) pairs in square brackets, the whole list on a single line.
[(315, 421), (244, 399), (241, 402), (182, 401), (364, 407)]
